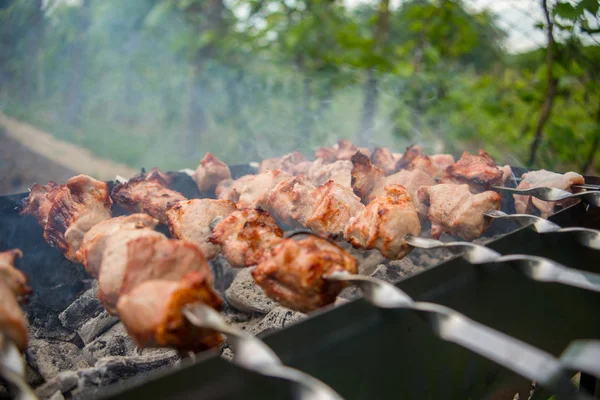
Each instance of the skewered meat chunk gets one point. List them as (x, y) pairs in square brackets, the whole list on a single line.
[(77, 207), (11, 276), (190, 220), (115, 259), (210, 172), (13, 284), (455, 210), (293, 163), (334, 206), (251, 191), (506, 173), (40, 200), (364, 175), (291, 201), (245, 235), (414, 158), (270, 163), (94, 242), (292, 272), (151, 312), (442, 161), (479, 172), (384, 224), (146, 193), (384, 158), (326, 154), (411, 180), (338, 171), (344, 149), (543, 178)]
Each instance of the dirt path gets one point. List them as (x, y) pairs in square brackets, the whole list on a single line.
[(63, 154)]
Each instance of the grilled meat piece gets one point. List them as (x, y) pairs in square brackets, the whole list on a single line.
[(326, 154), (506, 173), (543, 178), (270, 163), (146, 193), (151, 312), (364, 175), (334, 206), (245, 235), (190, 220), (40, 200), (13, 285), (455, 210), (442, 161), (411, 180), (384, 158), (414, 158), (384, 224), (479, 172), (291, 201), (77, 207), (292, 272), (343, 150), (251, 191), (11, 276), (114, 264), (210, 172), (94, 242), (338, 171)]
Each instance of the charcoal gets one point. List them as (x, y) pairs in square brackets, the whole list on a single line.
[(245, 295), (223, 273), (114, 342), (84, 308), (227, 354), (96, 326), (111, 370), (44, 324), (61, 383), (240, 319), (276, 319), (32, 376), (50, 357), (57, 396), (367, 260), (396, 270)]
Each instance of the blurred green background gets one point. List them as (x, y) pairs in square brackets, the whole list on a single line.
[(159, 82)]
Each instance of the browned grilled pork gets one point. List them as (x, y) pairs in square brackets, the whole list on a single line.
[(384, 224), (13, 284), (455, 210), (292, 272), (245, 235), (338, 171), (292, 201), (479, 172), (11, 276), (146, 193), (384, 159), (411, 180), (210, 172), (364, 175), (191, 219), (251, 191), (414, 158)]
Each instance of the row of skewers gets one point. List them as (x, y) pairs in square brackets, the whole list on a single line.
[(148, 279)]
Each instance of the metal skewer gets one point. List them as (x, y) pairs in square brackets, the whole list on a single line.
[(12, 369), (554, 194), (253, 354), (454, 327), (537, 268), (587, 237)]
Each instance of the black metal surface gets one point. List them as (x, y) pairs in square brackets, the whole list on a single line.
[(366, 353)]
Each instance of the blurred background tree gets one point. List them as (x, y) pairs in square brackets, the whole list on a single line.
[(159, 82)]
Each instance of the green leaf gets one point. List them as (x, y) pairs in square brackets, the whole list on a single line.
[(567, 11), (591, 5), (158, 12)]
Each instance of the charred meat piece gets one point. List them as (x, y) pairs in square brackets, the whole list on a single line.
[(146, 193), (190, 220), (543, 178), (77, 207), (411, 180), (251, 191), (455, 210), (40, 200), (210, 172), (113, 266), (11, 276), (334, 206), (414, 158), (151, 312), (338, 171), (364, 175), (13, 285), (384, 158), (245, 235), (479, 172), (292, 272), (94, 242), (291, 201), (384, 224)]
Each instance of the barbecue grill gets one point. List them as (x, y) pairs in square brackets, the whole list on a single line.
[(368, 352)]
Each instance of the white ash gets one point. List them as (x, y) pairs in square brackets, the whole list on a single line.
[(244, 294)]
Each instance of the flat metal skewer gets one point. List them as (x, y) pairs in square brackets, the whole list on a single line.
[(449, 325), (12, 369), (253, 354), (554, 194), (537, 268)]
